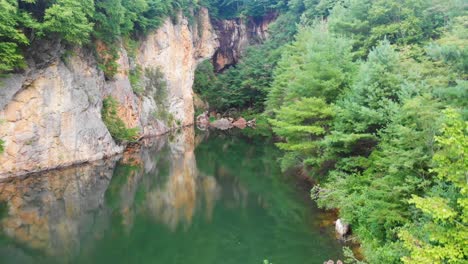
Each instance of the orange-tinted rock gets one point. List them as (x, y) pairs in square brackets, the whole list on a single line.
[(240, 123)]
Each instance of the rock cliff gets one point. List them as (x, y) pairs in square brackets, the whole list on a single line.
[(50, 115), (236, 35)]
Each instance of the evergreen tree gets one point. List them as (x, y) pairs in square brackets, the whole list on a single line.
[(367, 106), (317, 64), (400, 22), (302, 124), (372, 192)]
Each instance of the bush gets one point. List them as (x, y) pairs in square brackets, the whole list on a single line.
[(115, 124), (2, 148)]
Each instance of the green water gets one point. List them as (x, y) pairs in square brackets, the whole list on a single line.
[(183, 198)]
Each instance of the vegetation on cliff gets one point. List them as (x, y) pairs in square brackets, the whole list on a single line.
[(80, 22), (371, 101), (115, 124), (228, 9)]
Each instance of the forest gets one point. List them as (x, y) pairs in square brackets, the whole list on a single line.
[(85, 21), (367, 97), (370, 99)]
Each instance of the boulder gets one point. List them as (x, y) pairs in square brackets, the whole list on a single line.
[(240, 123), (341, 227)]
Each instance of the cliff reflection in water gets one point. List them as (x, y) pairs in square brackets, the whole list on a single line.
[(162, 202)]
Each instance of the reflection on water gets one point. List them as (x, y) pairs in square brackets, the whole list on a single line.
[(167, 201)]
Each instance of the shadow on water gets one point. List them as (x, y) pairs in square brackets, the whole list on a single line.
[(182, 198)]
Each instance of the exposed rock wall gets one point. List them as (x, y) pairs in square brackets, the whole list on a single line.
[(236, 35), (54, 117)]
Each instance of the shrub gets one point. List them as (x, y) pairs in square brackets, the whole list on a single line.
[(115, 124), (135, 80)]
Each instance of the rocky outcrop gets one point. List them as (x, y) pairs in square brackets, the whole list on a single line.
[(53, 118), (236, 35), (176, 50), (51, 113)]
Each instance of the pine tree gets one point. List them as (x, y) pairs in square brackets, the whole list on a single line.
[(317, 64), (302, 124)]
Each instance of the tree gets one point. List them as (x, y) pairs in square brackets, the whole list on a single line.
[(370, 102), (70, 19), (372, 192), (401, 22), (11, 37), (316, 64), (302, 124), (440, 234)]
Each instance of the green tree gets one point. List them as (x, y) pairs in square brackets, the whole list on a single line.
[(302, 124), (317, 64), (70, 19), (11, 37), (372, 192), (370, 102), (439, 236), (400, 22)]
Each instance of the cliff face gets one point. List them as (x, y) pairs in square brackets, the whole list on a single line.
[(236, 35), (50, 115)]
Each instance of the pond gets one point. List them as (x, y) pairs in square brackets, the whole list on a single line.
[(182, 198)]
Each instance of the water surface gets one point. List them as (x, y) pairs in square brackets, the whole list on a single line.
[(183, 198)]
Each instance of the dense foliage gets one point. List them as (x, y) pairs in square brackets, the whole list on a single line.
[(228, 9), (375, 158), (372, 102), (78, 22)]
